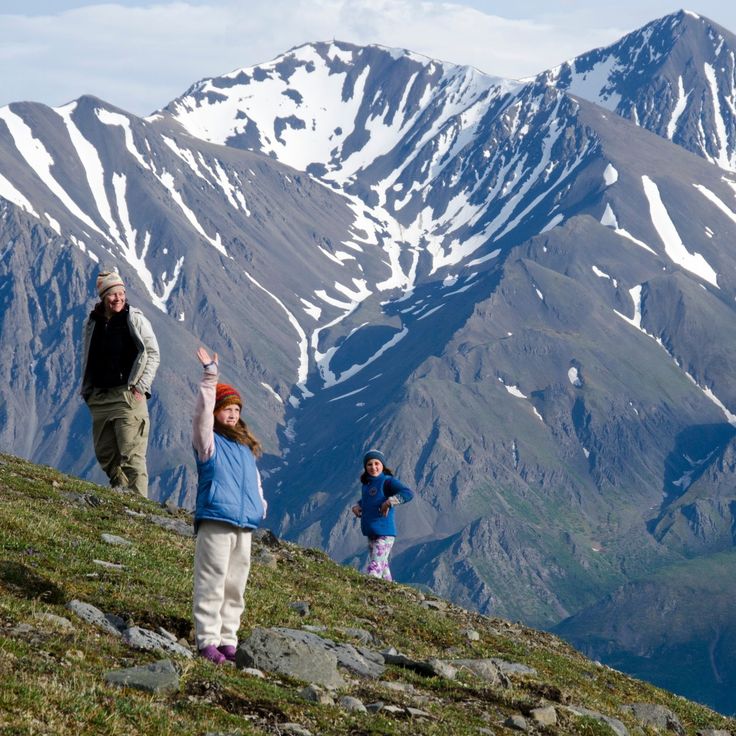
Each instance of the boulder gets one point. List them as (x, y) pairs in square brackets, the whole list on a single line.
[(656, 716), (274, 651)]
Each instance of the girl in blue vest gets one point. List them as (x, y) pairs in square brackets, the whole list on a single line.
[(229, 506), (381, 493)]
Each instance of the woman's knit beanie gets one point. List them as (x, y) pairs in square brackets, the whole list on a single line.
[(226, 395), (107, 280), (374, 455)]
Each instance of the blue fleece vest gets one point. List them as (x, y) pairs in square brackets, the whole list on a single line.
[(227, 486)]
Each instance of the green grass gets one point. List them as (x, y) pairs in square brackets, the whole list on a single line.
[(52, 678)]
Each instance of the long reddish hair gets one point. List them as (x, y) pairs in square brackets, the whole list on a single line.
[(240, 433)]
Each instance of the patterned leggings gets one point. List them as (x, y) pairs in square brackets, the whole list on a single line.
[(379, 548)]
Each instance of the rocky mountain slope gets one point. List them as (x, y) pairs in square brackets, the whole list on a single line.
[(523, 297), (80, 564)]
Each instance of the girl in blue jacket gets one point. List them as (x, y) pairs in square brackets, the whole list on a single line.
[(381, 492), (229, 506)]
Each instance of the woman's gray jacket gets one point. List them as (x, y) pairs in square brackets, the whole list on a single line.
[(146, 362)]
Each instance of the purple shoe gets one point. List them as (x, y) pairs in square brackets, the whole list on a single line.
[(228, 650), (211, 652)]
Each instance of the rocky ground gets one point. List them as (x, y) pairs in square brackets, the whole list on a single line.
[(95, 638)]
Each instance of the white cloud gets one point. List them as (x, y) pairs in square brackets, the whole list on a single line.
[(140, 55)]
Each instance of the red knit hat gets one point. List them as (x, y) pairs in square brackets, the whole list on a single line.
[(226, 395)]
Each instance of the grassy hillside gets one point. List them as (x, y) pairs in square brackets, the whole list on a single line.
[(53, 676)]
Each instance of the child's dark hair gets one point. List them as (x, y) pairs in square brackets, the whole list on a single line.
[(364, 477), (240, 433)]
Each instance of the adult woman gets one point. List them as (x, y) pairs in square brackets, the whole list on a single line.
[(119, 361)]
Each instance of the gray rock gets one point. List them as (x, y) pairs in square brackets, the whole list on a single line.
[(314, 628), (471, 634), (273, 650), (545, 716), (116, 541), (516, 722), (150, 641), (253, 672), (52, 618), (657, 716), (301, 607), (183, 528), (267, 559), (349, 703), (359, 660), (428, 668), (158, 677), (399, 687), (363, 636), (486, 669), (315, 694), (713, 732), (375, 707), (293, 729), (434, 605), (109, 565), (167, 634), (417, 712), (92, 615), (266, 537), (613, 723), (513, 668)]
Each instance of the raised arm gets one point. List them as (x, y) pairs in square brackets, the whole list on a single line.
[(203, 423)]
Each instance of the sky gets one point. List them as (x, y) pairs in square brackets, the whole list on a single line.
[(140, 54)]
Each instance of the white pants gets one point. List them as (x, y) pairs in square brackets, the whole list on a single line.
[(221, 567)]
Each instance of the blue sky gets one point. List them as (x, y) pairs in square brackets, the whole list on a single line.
[(140, 54)]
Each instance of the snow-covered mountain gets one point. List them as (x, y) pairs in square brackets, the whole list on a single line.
[(523, 293), (676, 76)]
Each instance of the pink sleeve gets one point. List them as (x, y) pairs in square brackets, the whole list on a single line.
[(203, 433)]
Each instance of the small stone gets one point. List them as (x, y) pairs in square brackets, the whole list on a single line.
[(314, 628), (52, 618), (349, 703), (400, 687), (301, 607), (471, 634), (516, 722), (293, 729), (315, 694), (93, 616), (375, 707), (417, 712), (150, 641), (253, 672), (434, 605), (116, 541), (545, 716), (109, 565), (267, 559)]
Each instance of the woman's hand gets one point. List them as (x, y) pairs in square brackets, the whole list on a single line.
[(385, 507), (357, 510), (204, 357)]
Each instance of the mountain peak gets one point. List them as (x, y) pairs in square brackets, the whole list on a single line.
[(674, 76)]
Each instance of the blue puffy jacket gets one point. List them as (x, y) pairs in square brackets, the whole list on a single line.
[(227, 487), (374, 493)]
